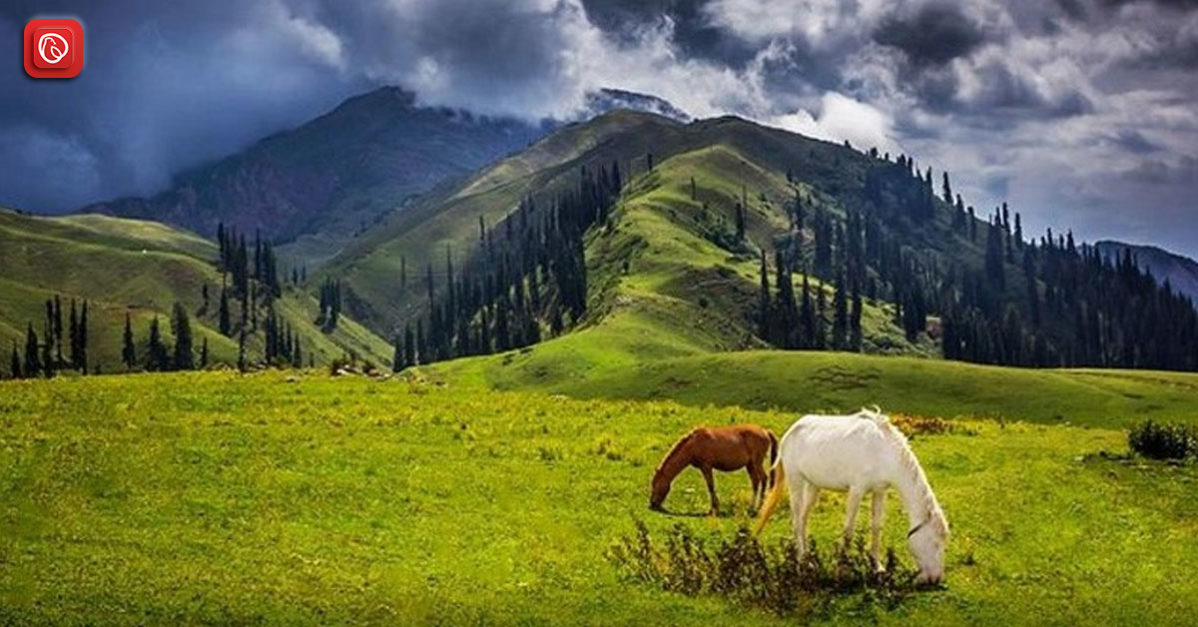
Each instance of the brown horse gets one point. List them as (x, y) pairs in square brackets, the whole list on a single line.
[(720, 448)]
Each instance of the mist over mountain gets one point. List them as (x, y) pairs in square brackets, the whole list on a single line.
[(607, 99)]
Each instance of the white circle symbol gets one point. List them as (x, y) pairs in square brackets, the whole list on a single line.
[(52, 47)]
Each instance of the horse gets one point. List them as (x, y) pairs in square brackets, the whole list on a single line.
[(721, 448), (860, 453)]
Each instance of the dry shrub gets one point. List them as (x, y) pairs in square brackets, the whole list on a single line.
[(771, 577)]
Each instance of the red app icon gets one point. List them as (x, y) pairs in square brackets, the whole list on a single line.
[(53, 48)]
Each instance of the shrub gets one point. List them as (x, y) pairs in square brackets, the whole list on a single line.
[(1163, 440), (912, 426), (772, 578)]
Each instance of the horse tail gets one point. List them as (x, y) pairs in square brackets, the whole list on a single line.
[(773, 457), (778, 477)]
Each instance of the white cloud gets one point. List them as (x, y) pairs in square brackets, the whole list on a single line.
[(843, 118)]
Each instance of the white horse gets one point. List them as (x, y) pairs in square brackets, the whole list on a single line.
[(861, 453)]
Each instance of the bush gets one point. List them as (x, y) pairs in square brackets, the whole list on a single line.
[(770, 578), (1163, 440)]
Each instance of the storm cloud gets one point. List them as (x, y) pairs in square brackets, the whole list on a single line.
[(1079, 112)]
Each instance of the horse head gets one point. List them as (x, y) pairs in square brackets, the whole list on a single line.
[(926, 543), (658, 490)]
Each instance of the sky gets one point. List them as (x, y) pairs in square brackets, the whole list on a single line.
[(1080, 113)]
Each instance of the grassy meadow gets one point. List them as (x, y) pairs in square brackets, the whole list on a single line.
[(296, 497)]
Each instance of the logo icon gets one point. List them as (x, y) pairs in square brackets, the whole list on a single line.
[(53, 48)]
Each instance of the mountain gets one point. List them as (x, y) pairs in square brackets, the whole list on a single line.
[(141, 268), (333, 176), (696, 294), (1181, 272), (668, 226), (317, 186)]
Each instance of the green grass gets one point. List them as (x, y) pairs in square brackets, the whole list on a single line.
[(220, 498), (800, 382)]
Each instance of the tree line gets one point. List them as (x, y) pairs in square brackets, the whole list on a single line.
[(993, 296), (526, 278), (45, 356)]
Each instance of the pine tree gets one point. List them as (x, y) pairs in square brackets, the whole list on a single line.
[(158, 359), (14, 365), (994, 257), (241, 357), (740, 222), (83, 337), (181, 329), (409, 346), (48, 368), (73, 331), (821, 335), (225, 325), (128, 351), (58, 329), (948, 190), (806, 317), (855, 339), (840, 319), (33, 364)]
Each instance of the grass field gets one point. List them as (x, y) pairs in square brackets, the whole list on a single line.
[(295, 497)]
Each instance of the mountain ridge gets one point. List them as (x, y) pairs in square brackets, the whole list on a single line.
[(1180, 271)]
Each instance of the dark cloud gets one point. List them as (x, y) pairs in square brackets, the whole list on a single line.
[(935, 34), (161, 90), (1097, 92), (1134, 142)]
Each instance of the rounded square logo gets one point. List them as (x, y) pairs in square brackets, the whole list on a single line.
[(53, 48)]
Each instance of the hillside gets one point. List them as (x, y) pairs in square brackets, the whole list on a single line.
[(895, 262), (728, 158), (141, 268), (1181, 272)]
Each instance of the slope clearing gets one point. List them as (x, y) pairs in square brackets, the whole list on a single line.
[(141, 268)]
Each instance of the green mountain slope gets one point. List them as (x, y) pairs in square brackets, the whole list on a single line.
[(680, 269), (142, 268)]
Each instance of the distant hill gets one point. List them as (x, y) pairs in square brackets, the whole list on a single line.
[(140, 268), (1181, 272)]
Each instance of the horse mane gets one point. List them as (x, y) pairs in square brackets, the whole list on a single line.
[(674, 450), (911, 464)]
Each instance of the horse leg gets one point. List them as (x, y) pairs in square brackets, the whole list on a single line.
[(875, 541), (758, 484), (715, 503), (850, 519), (803, 495)]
